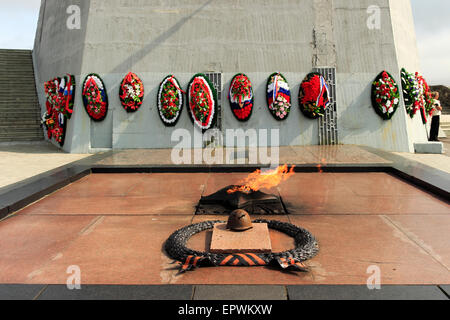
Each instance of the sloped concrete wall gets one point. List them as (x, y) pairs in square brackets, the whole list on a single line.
[(408, 58), (157, 38), (58, 51)]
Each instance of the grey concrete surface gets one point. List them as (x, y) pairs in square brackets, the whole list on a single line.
[(20, 291), (240, 293), (429, 147), (343, 292), (25, 160), (105, 292)]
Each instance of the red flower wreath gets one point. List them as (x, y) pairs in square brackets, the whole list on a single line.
[(131, 92), (95, 98)]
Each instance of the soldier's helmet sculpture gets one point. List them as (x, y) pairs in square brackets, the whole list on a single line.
[(239, 220)]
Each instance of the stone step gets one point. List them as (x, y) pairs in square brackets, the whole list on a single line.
[(19, 122), (14, 117), (17, 97), (21, 139), (16, 78), (14, 95), (20, 131), (27, 117), (10, 72), (20, 107), (18, 101), (20, 112), (20, 118), (16, 81)]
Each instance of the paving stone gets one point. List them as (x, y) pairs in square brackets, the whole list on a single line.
[(242, 293), (255, 240), (19, 291), (99, 292), (345, 292)]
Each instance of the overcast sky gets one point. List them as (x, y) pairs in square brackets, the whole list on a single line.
[(18, 20)]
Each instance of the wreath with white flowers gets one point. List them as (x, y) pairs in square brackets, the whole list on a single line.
[(202, 100), (278, 96), (60, 94), (385, 95), (314, 96), (95, 98), (241, 97), (131, 92), (170, 101), (411, 92)]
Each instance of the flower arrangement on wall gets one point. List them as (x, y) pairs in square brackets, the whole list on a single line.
[(95, 98), (131, 92), (241, 97), (278, 96), (60, 93), (385, 95), (202, 100), (314, 96), (170, 101), (411, 92)]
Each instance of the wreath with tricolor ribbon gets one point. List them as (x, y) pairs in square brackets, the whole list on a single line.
[(60, 93), (314, 96), (202, 101), (385, 95), (170, 101), (241, 97), (278, 96), (95, 97), (131, 92)]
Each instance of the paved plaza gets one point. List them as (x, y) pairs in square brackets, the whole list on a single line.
[(113, 225)]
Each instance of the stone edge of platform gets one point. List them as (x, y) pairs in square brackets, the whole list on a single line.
[(224, 292)]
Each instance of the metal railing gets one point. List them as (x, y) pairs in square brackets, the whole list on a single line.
[(328, 124)]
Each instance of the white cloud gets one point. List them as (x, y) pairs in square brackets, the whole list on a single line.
[(434, 56), (433, 39), (18, 22), (20, 5)]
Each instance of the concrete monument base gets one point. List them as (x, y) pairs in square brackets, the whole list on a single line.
[(429, 147), (255, 240)]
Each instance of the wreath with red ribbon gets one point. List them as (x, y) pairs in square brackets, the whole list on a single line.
[(278, 96), (202, 99), (314, 96), (241, 97), (426, 100), (170, 101), (95, 98), (60, 94), (385, 95), (131, 92)]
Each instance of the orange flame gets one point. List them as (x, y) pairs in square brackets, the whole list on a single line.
[(257, 180)]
